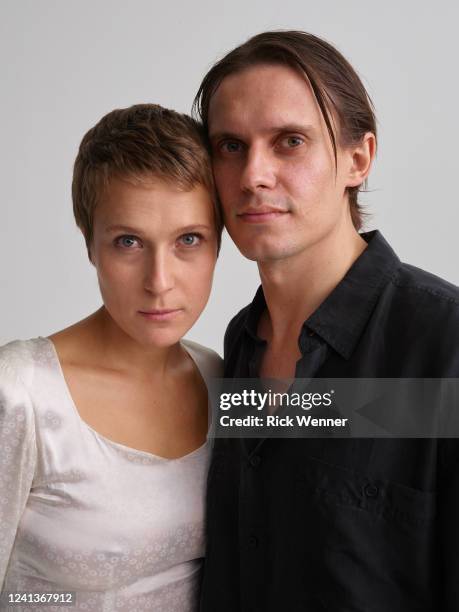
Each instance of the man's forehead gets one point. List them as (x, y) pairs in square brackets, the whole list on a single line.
[(264, 96), (266, 120)]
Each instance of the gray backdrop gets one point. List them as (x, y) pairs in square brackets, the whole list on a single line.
[(66, 63)]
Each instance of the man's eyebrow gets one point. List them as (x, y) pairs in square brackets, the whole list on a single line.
[(300, 128), (294, 127), (223, 136)]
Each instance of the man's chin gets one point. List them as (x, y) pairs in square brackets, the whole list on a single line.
[(265, 253)]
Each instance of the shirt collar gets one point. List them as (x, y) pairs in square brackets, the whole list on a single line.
[(343, 315), (253, 316)]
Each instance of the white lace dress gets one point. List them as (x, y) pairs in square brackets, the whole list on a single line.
[(120, 527)]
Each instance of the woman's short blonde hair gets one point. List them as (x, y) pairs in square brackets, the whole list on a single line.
[(138, 143)]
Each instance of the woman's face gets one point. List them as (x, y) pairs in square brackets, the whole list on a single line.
[(154, 248)]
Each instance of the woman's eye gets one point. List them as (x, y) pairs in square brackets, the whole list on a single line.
[(190, 240), (126, 242), (292, 141)]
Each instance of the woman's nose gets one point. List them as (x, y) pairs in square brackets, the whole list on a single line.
[(159, 275)]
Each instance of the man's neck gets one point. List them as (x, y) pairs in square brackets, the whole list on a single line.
[(295, 287)]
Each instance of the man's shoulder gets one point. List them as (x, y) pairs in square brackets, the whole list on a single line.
[(422, 284), (425, 301), (418, 317)]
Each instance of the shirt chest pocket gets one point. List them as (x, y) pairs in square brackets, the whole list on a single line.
[(333, 486), (371, 539)]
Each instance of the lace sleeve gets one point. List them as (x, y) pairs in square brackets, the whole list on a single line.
[(17, 458)]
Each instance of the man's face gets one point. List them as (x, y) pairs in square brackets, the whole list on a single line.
[(274, 164)]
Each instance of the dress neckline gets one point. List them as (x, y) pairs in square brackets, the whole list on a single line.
[(118, 445)]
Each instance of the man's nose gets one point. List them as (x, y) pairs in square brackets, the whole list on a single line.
[(159, 273), (259, 170)]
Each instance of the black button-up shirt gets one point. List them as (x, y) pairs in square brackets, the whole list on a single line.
[(344, 525)]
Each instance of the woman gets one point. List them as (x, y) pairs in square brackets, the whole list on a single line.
[(103, 425)]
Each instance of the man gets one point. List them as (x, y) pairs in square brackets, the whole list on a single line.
[(322, 524)]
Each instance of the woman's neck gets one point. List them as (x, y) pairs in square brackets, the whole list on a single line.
[(99, 342)]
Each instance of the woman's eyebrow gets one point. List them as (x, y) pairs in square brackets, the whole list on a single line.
[(190, 228), (122, 228), (132, 230)]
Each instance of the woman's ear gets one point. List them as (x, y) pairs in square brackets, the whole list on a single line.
[(89, 249)]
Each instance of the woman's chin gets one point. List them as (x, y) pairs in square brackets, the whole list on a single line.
[(157, 338), (161, 337), (150, 333)]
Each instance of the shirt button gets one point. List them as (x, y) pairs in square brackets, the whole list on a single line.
[(371, 490), (255, 461), (253, 542)]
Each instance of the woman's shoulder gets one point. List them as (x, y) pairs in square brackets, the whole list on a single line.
[(209, 361), (17, 372), (18, 358)]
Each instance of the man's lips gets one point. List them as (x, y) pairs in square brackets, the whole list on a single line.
[(261, 215)]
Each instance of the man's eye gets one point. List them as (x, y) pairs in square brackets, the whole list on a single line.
[(127, 242), (230, 146), (190, 240), (292, 141)]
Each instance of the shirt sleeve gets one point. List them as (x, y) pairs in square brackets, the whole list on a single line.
[(17, 458)]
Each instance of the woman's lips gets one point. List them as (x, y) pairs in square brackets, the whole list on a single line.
[(160, 315)]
